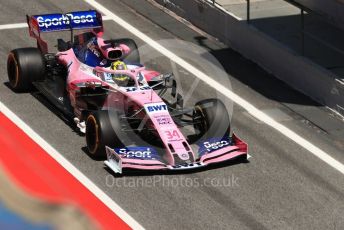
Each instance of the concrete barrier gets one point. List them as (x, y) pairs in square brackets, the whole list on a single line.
[(297, 71), (332, 9)]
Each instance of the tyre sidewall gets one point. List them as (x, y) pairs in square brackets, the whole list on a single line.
[(29, 67), (107, 124)]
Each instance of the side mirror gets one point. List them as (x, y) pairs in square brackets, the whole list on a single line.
[(162, 81), (169, 80)]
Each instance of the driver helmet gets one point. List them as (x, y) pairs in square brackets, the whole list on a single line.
[(120, 79), (118, 65)]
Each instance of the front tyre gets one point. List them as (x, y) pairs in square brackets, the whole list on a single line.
[(211, 119), (25, 66), (101, 128)]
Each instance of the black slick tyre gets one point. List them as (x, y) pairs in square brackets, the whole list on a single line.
[(25, 66)]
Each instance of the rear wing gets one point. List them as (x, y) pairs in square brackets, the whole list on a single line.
[(38, 24)]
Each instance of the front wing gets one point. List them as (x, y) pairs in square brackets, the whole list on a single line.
[(116, 162)]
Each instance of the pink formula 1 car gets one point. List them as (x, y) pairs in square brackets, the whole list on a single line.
[(128, 113)]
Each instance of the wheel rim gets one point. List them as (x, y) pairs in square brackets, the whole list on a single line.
[(92, 135)]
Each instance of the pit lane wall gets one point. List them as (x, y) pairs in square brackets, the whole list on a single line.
[(332, 9), (298, 72)]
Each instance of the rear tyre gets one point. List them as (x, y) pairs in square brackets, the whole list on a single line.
[(25, 66), (101, 128), (211, 118), (134, 55)]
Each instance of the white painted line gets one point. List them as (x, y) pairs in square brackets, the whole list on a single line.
[(13, 26), (24, 25), (106, 18), (71, 168), (316, 151)]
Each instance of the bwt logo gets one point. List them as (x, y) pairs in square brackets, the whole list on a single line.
[(128, 153), (63, 20), (156, 108)]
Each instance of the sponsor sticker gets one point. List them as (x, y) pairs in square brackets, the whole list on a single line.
[(213, 144), (163, 120), (112, 155), (156, 108), (81, 19), (184, 156), (187, 165), (58, 20), (93, 48), (144, 153), (132, 89), (113, 160)]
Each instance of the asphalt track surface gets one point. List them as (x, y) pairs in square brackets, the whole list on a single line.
[(282, 187)]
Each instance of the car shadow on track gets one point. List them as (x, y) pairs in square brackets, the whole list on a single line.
[(52, 108), (85, 150)]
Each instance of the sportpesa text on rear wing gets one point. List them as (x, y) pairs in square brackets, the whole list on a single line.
[(38, 24)]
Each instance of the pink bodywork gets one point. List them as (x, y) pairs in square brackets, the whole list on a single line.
[(106, 48), (173, 139), (80, 73), (175, 143)]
